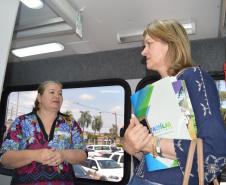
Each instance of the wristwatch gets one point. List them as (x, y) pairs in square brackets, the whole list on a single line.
[(158, 147)]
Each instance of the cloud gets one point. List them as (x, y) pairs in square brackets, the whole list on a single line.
[(20, 103), (28, 98), (116, 108), (86, 97), (68, 106)]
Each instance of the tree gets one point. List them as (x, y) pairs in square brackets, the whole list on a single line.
[(113, 131), (97, 124), (93, 125), (68, 113), (85, 119)]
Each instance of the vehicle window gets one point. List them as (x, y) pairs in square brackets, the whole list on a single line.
[(221, 87), (106, 148), (107, 155), (100, 111), (97, 147), (115, 157), (80, 172), (86, 163), (108, 164), (94, 164), (122, 159), (90, 147)]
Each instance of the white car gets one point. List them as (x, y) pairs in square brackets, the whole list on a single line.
[(98, 150), (80, 172), (118, 157), (105, 169)]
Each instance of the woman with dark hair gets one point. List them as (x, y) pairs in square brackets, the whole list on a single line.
[(167, 51), (42, 146)]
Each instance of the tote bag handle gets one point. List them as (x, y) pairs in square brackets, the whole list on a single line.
[(199, 143)]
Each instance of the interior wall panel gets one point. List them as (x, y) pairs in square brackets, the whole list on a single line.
[(125, 64), (209, 54)]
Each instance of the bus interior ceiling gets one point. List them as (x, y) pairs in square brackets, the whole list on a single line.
[(103, 39), (111, 37)]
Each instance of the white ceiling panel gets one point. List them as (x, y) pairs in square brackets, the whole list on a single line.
[(102, 20)]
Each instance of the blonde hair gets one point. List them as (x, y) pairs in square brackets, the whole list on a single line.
[(41, 89), (174, 34)]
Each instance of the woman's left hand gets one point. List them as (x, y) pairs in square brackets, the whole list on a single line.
[(56, 159), (136, 137)]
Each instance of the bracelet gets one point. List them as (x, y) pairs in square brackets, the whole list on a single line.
[(158, 147), (154, 151)]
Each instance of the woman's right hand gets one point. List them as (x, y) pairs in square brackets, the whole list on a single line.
[(136, 137), (44, 155)]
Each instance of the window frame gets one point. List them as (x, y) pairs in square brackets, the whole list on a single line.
[(81, 84)]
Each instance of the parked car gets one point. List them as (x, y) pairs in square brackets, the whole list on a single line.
[(105, 169), (120, 149), (118, 157), (98, 150), (113, 148), (80, 172), (106, 155)]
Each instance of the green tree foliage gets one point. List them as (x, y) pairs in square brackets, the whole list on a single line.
[(222, 95), (97, 124), (68, 113), (85, 119)]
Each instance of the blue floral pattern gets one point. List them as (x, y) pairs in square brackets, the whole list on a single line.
[(212, 165), (26, 132)]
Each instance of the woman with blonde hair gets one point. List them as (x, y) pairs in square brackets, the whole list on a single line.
[(167, 51)]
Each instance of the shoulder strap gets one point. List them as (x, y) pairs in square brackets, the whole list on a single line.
[(189, 162), (200, 162)]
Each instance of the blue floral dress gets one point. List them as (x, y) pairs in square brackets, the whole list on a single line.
[(205, 101), (27, 132)]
